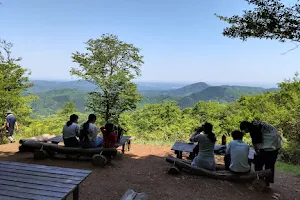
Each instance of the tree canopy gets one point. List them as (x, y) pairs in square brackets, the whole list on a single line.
[(111, 64), (13, 82), (270, 19)]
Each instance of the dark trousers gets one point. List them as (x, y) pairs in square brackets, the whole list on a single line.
[(266, 159), (71, 142), (227, 160)]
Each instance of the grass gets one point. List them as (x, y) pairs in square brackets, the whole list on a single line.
[(288, 168)]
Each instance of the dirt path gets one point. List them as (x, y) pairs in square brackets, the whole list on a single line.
[(143, 169)]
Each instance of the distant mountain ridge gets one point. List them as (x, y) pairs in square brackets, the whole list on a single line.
[(53, 94), (222, 94)]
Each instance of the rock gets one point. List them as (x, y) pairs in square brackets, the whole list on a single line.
[(132, 195)]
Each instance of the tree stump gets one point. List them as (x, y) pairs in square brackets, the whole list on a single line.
[(22, 148), (173, 170), (40, 154), (99, 160)]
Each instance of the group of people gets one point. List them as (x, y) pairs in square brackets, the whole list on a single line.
[(266, 142), (86, 135), (8, 128)]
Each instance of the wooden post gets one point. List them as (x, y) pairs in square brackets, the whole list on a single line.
[(129, 145), (76, 193)]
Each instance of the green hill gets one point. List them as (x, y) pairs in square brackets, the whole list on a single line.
[(222, 94), (51, 101), (180, 92)]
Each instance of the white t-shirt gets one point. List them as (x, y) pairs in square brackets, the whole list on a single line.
[(238, 151), (271, 138), (92, 132), (70, 131)]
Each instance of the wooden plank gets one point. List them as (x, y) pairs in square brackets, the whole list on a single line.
[(32, 191), (46, 167), (26, 196), (34, 181), (123, 140), (42, 178), (2, 197), (42, 174), (183, 146), (46, 170), (36, 186), (56, 139)]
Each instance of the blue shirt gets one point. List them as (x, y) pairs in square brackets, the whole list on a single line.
[(238, 151), (11, 120)]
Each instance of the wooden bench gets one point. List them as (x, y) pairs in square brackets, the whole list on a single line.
[(125, 142), (38, 182)]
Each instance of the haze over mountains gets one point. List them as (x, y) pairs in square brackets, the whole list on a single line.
[(53, 94)]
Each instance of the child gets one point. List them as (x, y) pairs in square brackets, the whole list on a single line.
[(236, 158), (109, 136)]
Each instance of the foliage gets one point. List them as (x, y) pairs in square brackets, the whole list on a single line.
[(52, 124), (110, 64), (50, 102), (270, 19), (13, 81)]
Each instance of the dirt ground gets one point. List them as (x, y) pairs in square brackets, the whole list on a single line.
[(143, 169)]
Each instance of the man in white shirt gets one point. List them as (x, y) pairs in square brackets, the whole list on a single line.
[(237, 151), (266, 141)]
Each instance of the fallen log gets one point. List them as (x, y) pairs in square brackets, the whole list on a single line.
[(31, 146), (222, 174)]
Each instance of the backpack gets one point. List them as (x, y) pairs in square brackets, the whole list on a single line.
[(119, 132), (83, 135)]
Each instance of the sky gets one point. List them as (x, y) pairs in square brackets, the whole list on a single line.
[(181, 41)]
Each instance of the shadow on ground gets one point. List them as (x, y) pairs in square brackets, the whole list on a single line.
[(143, 169)]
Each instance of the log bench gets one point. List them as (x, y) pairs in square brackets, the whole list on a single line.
[(125, 142), (39, 182), (42, 150)]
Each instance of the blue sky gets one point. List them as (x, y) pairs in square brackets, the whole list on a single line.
[(181, 41)]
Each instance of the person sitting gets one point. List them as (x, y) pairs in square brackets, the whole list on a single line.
[(109, 136), (71, 131), (205, 158), (236, 157), (89, 132)]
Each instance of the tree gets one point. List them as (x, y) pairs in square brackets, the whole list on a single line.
[(110, 64), (270, 19), (13, 82)]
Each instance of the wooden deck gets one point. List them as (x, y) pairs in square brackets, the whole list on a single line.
[(38, 182)]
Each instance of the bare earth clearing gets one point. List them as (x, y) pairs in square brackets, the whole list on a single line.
[(143, 169)]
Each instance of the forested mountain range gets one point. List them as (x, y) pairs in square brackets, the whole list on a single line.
[(53, 94)]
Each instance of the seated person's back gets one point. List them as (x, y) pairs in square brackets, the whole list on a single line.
[(70, 132), (205, 158), (109, 137), (237, 154), (89, 133)]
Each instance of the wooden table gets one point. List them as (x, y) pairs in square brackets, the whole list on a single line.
[(38, 182), (180, 147), (125, 142)]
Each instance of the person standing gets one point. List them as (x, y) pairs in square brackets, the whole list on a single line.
[(11, 124), (266, 142)]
